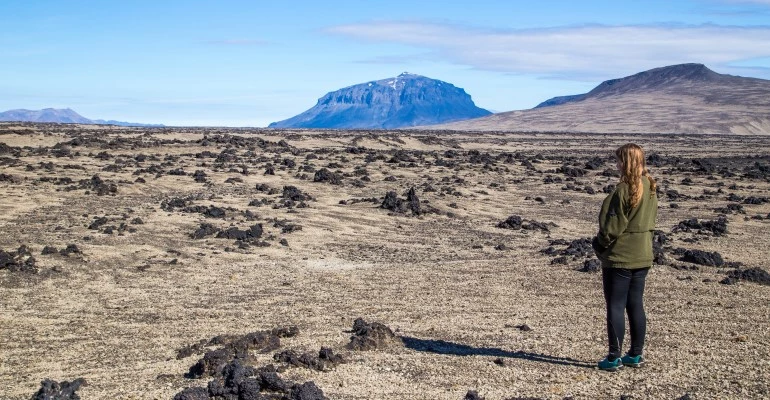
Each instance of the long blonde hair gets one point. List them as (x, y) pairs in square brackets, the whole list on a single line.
[(631, 158)]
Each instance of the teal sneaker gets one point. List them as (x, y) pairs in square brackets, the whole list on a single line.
[(633, 362), (611, 366)]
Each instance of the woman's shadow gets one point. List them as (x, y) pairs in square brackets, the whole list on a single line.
[(456, 349)]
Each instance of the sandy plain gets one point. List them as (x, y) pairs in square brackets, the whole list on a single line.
[(117, 313)]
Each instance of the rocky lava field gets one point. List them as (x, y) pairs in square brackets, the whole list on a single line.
[(176, 263)]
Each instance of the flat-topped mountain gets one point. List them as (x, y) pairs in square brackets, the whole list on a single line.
[(404, 101), (685, 98), (60, 115)]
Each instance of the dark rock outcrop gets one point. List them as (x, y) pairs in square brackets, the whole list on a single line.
[(52, 390), (372, 336)]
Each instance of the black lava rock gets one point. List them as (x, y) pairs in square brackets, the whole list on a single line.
[(710, 259), (52, 390)]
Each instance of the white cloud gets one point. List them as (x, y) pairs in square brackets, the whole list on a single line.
[(574, 52)]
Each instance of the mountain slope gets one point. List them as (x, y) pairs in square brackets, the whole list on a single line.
[(62, 116), (685, 98), (404, 101)]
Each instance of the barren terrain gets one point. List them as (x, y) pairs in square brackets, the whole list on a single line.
[(142, 242)]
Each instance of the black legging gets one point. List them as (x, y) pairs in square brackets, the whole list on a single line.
[(623, 292)]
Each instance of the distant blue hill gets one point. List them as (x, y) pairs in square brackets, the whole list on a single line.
[(404, 101), (61, 116)]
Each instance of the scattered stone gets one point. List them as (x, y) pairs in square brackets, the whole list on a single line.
[(193, 393), (20, 260), (594, 163), (238, 347), (174, 203), (70, 249), (571, 171), (393, 203), (578, 248), (213, 212), (729, 280), (240, 382), (324, 175), (512, 222), (326, 359), (700, 257), (205, 229), (756, 200), (474, 395), (200, 176), (98, 186), (97, 222), (254, 232), (49, 250), (560, 260), (756, 275), (52, 390), (659, 239), (294, 194), (731, 208), (592, 265), (306, 391), (372, 336), (532, 225), (716, 227), (9, 178)]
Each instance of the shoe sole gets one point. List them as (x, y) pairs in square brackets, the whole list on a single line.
[(611, 369), (639, 365)]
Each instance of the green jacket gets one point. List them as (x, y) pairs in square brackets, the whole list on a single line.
[(625, 235)]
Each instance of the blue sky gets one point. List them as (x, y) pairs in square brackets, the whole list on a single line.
[(249, 63)]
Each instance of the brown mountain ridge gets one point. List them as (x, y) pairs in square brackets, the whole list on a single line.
[(684, 98)]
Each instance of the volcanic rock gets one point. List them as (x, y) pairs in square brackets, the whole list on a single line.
[(472, 395), (193, 393), (239, 347), (306, 391), (294, 194), (372, 336), (52, 390), (205, 229), (49, 250), (20, 260), (756, 275), (324, 361), (512, 222), (700, 257), (393, 203), (324, 175), (592, 265), (254, 232), (70, 249), (716, 227)]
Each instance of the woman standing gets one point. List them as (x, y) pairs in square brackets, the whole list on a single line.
[(624, 246)]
